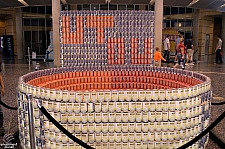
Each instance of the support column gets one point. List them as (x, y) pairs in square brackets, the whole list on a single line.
[(55, 23), (158, 24), (196, 17), (223, 32), (19, 33)]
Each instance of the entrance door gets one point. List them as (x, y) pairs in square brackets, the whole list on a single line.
[(207, 38)]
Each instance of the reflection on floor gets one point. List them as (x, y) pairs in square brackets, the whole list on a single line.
[(12, 69)]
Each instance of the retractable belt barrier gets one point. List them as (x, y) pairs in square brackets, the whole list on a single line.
[(6, 106), (60, 127), (80, 142)]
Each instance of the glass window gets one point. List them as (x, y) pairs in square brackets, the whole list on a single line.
[(79, 7), (104, 7), (189, 10), (130, 7), (41, 9), (26, 9), (188, 23), (174, 10), (86, 7), (166, 11), (34, 9), (26, 22), (181, 10), (48, 9), (94, 7), (122, 7), (136, 7), (112, 7)]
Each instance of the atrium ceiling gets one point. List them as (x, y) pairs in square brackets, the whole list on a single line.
[(218, 5)]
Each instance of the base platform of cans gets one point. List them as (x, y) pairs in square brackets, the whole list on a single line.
[(122, 107)]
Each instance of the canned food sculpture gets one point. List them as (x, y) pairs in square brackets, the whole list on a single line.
[(116, 107), (106, 37)]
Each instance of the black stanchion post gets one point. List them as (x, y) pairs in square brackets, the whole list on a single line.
[(31, 121)]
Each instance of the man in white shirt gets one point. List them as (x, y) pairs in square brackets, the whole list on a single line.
[(167, 49), (218, 51)]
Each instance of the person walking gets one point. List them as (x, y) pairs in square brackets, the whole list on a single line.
[(177, 42), (180, 54), (157, 57), (167, 49), (218, 50), (190, 50)]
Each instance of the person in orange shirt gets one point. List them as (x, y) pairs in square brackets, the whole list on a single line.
[(157, 57)]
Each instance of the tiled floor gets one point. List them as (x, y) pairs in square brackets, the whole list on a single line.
[(12, 69)]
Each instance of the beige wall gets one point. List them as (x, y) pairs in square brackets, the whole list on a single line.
[(206, 26)]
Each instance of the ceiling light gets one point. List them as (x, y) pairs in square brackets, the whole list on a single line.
[(192, 3), (23, 2), (222, 6), (64, 2), (152, 2)]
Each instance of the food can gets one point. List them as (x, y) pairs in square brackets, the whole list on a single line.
[(118, 138), (152, 127), (118, 106), (105, 117), (131, 137), (108, 96), (138, 137), (138, 127), (79, 97), (115, 96), (98, 128), (152, 106), (98, 137), (172, 105), (158, 106), (131, 127), (111, 138), (148, 95), (142, 95), (65, 96), (105, 139), (83, 107), (158, 116), (132, 106), (125, 117), (164, 136), (101, 96), (158, 126), (94, 97), (155, 95)]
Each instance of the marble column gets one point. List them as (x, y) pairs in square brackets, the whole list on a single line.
[(223, 32), (55, 24), (158, 24), (19, 33), (196, 17)]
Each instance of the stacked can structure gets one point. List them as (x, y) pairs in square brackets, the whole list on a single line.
[(90, 38), (116, 107)]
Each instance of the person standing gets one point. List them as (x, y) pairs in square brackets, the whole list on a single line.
[(190, 50), (167, 49), (218, 50)]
